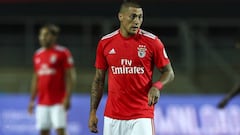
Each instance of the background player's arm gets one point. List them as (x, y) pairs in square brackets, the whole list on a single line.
[(96, 95), (229, 96), (33, 90), (167, 75), (70, 83)]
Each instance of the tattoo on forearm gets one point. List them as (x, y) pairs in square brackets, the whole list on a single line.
[(97, 90), (164, 69)]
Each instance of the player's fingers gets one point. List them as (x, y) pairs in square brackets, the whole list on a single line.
[(156, 99), (93, 121), (93, 128), (30, 107), (67, 106), (150, 100), (30, 110)]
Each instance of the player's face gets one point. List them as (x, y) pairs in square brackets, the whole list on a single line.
[(130, 21), (46, 38)]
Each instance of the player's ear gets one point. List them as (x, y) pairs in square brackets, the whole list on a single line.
[(120, 17)]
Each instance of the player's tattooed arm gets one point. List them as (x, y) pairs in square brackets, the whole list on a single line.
[(167, 74), (97, 88), (96, 95)]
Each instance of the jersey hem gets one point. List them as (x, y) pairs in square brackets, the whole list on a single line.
[(128, 118)]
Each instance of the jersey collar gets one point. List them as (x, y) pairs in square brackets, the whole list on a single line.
[(131, 37)]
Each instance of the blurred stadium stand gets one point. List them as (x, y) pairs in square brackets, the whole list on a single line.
[(199, 37)]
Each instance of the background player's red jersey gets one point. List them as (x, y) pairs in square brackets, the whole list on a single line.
[(50, 65), (130, 61)]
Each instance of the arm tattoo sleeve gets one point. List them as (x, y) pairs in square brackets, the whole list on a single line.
[(97, 89)]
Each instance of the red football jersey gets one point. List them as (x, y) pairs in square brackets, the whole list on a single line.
[(130, 63), (50, 65)]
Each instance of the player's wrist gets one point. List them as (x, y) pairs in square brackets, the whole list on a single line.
[(32, 102), (158, 85), (93, 111)]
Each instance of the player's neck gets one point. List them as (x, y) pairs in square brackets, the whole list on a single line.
[(125, 34), (49, 46)]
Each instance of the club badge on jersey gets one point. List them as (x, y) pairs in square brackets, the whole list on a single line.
[(142, 51), (53, 58)]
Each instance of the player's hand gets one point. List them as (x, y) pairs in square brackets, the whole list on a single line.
[(31, 107), (153, 96), (92, 123), (67, 104), (222, 104)]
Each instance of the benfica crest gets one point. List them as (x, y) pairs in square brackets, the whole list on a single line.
[(142, 51), (53, 58)]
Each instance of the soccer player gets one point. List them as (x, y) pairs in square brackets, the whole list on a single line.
[(53, 79), (129, 55)]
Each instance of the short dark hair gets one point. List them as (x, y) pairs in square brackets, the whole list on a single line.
[(129, 3), (54, 29)]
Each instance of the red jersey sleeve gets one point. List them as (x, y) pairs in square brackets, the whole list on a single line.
[(68, 59), (160, 56), (101, 62)]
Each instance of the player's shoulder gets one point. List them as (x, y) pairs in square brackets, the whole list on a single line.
[(147, 34), (60, 48), (110, 35), (39, 51), (152, 39)]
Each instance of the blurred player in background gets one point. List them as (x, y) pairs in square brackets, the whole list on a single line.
[(229, 96), (129, 55), (53, 79), (235, 90)]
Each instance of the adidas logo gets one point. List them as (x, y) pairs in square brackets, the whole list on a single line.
[(112, 51)]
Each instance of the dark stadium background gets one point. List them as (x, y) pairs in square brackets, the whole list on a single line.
[(199, 37)]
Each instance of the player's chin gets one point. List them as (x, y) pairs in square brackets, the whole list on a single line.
[(133, 32)]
